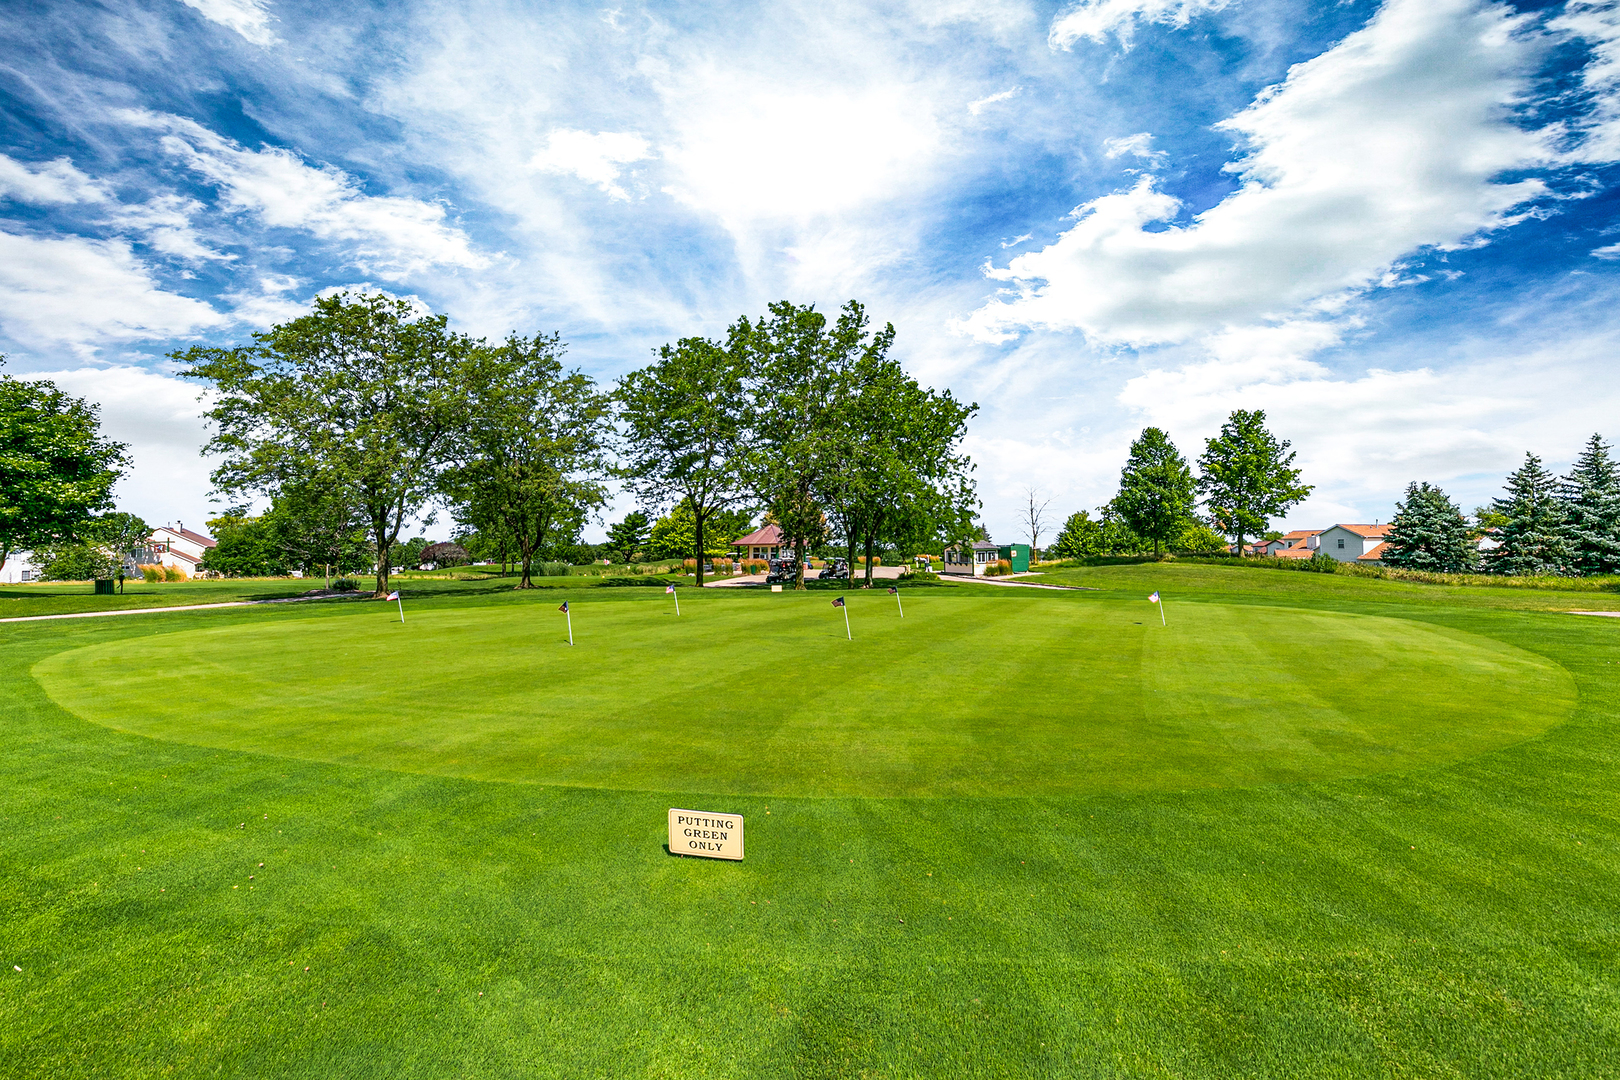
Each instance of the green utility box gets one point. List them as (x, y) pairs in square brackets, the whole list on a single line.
[(1018, 555), (105, 588)]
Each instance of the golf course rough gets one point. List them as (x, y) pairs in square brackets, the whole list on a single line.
[(966, 697)]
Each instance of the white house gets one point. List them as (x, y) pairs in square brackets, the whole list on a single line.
[(18, 567), (1352, 543), (176, 545)]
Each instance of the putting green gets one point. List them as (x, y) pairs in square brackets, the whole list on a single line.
[(967, 696)]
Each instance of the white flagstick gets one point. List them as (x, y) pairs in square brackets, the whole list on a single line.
[(847, 634), (677, 604), (395, 596), (898, 604), (1161, 614), (570, 616)]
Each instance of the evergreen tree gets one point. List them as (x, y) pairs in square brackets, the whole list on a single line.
[(1591, 495), (1429, 533), (1156, 489), (1532, 541)]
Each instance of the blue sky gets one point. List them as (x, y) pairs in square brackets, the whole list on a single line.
[(1390, 225)]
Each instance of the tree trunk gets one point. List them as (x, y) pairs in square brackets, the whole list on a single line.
[(798, 550), (850, 531), (526, 553), (379, 533), (698, 516), (868, 560), (328, 568)]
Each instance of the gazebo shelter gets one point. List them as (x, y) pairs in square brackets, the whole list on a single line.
[(763, 543)]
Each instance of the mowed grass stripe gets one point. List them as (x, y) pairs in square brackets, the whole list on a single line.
[(968, 696)]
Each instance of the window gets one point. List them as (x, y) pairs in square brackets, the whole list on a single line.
[(1341, 542)]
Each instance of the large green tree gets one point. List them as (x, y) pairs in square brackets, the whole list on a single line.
[(629, 536), (363, 394), (1080, 537), (1591, 494), (1157, 496), (56, 469), (318, 526), (797, 365), (1429, 532), (894, 471), (245, 545), (1532, 540), (674, 536), (531, 452), (684, 420), (1247, 476)]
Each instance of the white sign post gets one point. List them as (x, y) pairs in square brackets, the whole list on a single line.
[(706, 835)]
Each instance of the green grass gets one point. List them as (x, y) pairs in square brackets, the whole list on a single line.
[(1317, 827)]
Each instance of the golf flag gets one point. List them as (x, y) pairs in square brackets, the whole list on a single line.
[(565, 611), (839, 603), (395, 596), (895, 592), (564, 608), (670, 589), (1154, 599)]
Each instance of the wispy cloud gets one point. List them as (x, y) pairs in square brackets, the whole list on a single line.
[(250, 18), (1394, 140), (391, 236), (592, 157), (977, 107), (1096, 19)]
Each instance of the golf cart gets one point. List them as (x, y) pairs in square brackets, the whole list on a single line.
[(783, 569), (835, 570)]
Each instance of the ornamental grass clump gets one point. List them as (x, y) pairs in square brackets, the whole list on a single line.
[(554, 569), (151, 574), (174, 573)]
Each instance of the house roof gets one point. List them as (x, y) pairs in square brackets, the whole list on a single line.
[(1300, 534), (1375, 554), (768, 536), (194, 537), (183, 555), (1371, 532), (1298, 551), (985, 545)]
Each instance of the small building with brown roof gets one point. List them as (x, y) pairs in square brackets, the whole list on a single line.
[(763, 543), (176, 545)]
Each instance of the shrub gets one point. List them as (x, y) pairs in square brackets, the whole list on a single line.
[(151, 573), (344, 584), (689, 564), (173, 573), (1321, 564), (553, 569)]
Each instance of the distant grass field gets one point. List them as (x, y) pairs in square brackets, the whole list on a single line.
[(1317, 827)]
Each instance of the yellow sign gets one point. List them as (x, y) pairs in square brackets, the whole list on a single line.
[(699, 832)]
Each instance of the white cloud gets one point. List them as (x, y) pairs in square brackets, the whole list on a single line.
[(1389, 142), (594, 158), (160, 417), (53, 182), (1597, 22), (977, 107), (166, 223), (247, 17), (1096, 19), (391, 236), (747, 147), (83, 293), (270, 304), (1139, 146)]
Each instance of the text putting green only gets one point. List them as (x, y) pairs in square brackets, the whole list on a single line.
[(705, 834)]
